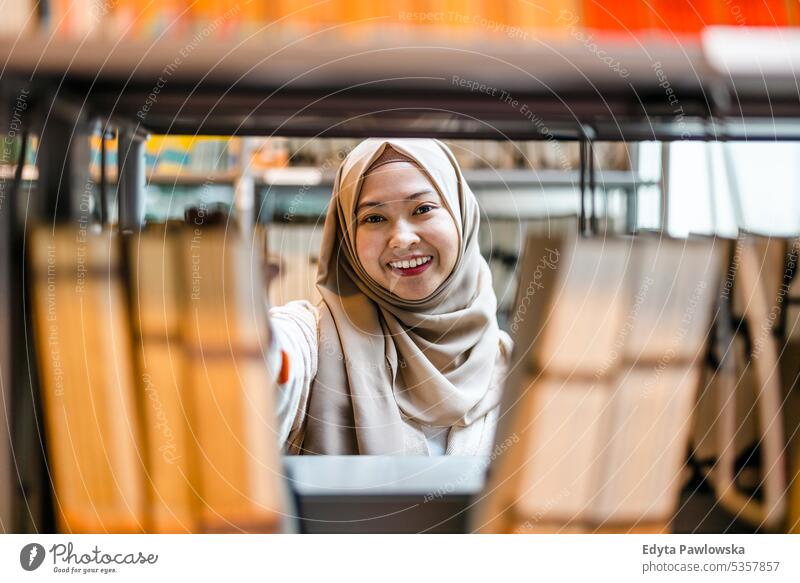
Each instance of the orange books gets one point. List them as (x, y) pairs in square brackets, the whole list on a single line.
[(690, 16), (256, 16), (165, 18), (155, 264), (85, 364), (215, 18), (546, 15), (309, 15), (617, 15), (761, 12)]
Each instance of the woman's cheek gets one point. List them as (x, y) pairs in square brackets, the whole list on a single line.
[(444, 236), (369, 251)]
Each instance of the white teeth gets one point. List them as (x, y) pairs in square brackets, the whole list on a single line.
[(410, 263)]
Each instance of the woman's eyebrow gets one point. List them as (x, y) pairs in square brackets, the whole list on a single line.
[(370, 204)]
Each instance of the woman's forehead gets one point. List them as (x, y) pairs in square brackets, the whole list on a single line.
[(395, 181)]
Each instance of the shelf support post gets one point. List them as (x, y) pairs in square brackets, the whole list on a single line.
[(131, 191), (65, 187)]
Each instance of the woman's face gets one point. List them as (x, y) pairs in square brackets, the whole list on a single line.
[(406, 239)]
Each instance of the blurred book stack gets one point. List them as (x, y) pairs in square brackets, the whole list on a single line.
[(157, 404), (83, 340), (156, 288), (225, 328), (609, 338)]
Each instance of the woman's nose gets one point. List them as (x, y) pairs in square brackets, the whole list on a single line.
[(403, 236)]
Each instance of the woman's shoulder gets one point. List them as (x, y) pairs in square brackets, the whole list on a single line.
[(300, 314), (297, 309)]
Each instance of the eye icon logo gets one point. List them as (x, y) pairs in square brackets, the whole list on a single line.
[(31, 556)]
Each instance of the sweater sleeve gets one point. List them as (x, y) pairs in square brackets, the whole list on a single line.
[(293, 360)]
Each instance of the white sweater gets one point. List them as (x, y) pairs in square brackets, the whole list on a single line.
[(295, 331)]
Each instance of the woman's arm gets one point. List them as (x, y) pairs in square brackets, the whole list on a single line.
[(293, 358)]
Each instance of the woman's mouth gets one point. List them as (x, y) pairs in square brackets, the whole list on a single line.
[(413, 266)]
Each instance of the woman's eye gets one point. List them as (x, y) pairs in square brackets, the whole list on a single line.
[(372, 219), (423, 208)]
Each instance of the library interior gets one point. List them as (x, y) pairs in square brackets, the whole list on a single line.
[(414, 266)]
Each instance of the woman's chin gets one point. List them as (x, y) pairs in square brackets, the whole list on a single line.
[(412, 293)]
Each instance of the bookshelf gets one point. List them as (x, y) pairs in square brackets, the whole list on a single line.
[(336, 85)]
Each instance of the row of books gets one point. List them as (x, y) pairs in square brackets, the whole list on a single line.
[(191, 154), (327, 154), (173, 155), (611, 384), (155, 388), (214, 155), (597, 411), (512, 18), (686, 16)]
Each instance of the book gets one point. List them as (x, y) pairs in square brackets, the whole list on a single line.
[(554, 16), (156, 282), (83, 341), (224, 323), (609, 337), (707, 437)]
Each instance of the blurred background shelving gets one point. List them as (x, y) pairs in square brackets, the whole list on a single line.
[(292, 178)]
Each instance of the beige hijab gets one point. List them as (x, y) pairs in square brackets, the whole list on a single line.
[(385, 361)]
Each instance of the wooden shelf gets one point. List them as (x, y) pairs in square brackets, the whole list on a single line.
[(191, 179)]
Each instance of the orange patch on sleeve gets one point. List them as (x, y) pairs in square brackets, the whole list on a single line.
[(283, 377)]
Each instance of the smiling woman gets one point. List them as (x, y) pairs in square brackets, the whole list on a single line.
[(403, 354), (407, 243)]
